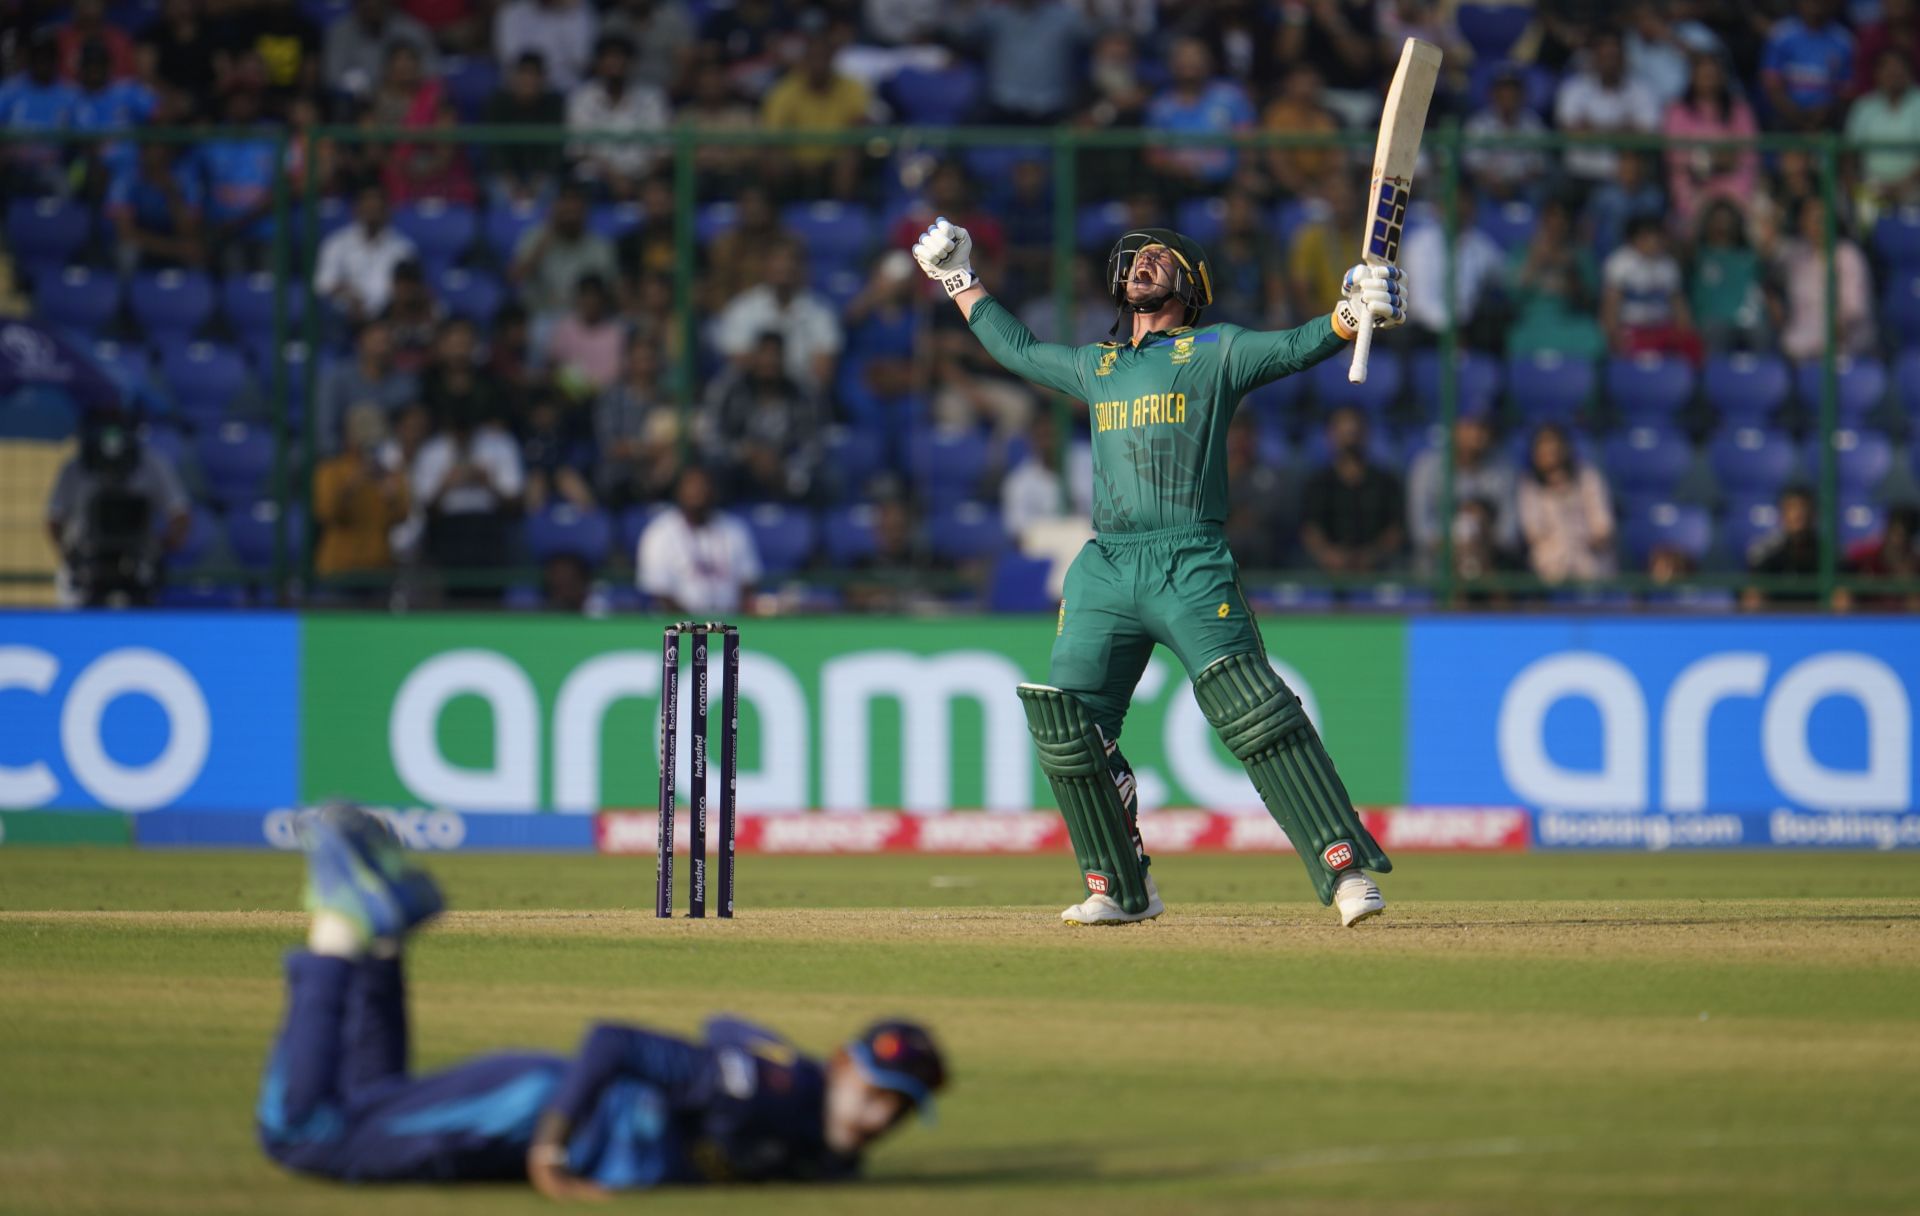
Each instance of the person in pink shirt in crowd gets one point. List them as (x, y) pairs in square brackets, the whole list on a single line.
[(1711, 108), (585, 347)]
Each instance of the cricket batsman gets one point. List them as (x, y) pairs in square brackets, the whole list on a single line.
[(630, 1109), (1158, 569)]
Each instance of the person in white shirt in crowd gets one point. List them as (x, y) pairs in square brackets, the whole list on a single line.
[(560, 31), (1886, 177), (783, 304), (356, 45), (1506, 172), (468, 480), (354, 267), (1480, 474), (1660, 41), (693, 559), (1601, 99), (610, 101), (1033, 490), (1478, 271)]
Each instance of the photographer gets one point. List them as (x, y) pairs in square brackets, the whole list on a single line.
[(116, 509)]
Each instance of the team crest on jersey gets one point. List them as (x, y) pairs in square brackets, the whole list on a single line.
[(1182, 349), (1106, 363)]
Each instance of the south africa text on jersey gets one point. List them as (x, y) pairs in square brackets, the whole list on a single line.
[(1141, 411)]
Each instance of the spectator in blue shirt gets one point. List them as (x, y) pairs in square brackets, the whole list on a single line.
[(239, 169), (1196, 101), (36, 100), (155, 209), (1033, 51), (106, 104), (1806, 67)]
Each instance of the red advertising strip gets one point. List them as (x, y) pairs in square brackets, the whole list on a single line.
[(1398, 829)]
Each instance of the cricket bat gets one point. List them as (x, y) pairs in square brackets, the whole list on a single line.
[(1394, 156)]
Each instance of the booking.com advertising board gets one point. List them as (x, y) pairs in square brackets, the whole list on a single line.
[(509, 731)]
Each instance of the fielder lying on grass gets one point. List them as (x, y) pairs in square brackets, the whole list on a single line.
[(630, 1109), (1158, 570)]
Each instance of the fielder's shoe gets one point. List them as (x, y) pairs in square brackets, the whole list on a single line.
[(1357, 898), (1104, 910), (357, 868)]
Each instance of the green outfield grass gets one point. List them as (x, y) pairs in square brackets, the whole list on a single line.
[(1550, 1034)]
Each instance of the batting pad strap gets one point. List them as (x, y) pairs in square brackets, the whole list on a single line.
[(1266, 728), (1074, 759)]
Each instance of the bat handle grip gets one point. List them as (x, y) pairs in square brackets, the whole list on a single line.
[(1362, 348)]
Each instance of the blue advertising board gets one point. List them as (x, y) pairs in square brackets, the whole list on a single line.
[(139, 711), (1673, 716)]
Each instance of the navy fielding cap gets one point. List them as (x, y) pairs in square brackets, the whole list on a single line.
[(902, 1057)]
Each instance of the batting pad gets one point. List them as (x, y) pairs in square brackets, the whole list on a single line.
[(1264, 726), (1075, 762)]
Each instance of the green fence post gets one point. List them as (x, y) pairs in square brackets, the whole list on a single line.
[(1829, 372), (1449, 354)]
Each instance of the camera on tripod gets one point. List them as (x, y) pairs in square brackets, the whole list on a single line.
[(113, 557)]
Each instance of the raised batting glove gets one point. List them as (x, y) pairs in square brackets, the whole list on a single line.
[(945, 252), (1379, 290)]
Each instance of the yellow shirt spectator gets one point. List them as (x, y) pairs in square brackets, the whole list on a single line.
[(806, 100)]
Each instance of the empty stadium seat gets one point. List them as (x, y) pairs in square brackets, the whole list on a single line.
[(855, 456), (76, 300), (1099, 225), (237, 461), (1648, 387), (966, 531), (507, 222), (1648, 460), (616, 220), (167, 443), (171, 303), (1476, 381), (471, 81), (936, 98), (634, 521), (251, 530), (1510, 224), (46, 233), (1492, 29), (564, 530), (441, 232), (1746, 389), (830, 232), (1667, 525), (204, 378), (785, 536), (849, 534), (1862, 460), (1020, 584), (1385, 376), (203, 533), (475, 295), (713, 219), (1861, 386), (1548, 385), (1896, 238), (1860, 522), (246, 301), (1203, 219), (1751, 460), (948, 467), (1749, 520), (1900, 305), (1277, 398)]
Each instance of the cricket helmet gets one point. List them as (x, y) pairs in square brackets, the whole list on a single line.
[(1192, 278)]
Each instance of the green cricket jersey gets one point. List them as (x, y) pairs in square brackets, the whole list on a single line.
[(1159, 411)]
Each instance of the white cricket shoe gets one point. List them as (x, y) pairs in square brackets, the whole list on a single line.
[(1103, 910), (1357, 898)]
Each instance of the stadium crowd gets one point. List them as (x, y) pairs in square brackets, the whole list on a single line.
[(495, 382)]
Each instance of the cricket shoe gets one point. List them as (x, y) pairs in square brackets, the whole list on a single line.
[(1105, 910), (1357, 898), (358, 869)]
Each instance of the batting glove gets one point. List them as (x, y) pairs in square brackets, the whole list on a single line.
[(1378, 290), (945, 253)]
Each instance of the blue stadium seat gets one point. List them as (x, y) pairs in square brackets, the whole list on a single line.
[(1900, 306), (1861, 387), (634, 521), (838, 284), (565, 530), (947, 467), (264, 355), (1099, 225), (966, 531), (1386, 374), (1382, 449), (830, 232), (616, 220), (441, 232), (1896, 238), (1667, 525), (1860, 522), (77, 300), (1510, 224), (855, 456), (1476, 384), (523, 597), (1294, 213), (1390, 596), (168, 443), (1278, 398), (939, 98), (713, 219), (1203, 219), (237, 461), (1746, 389), (246, 301), (507, 222), (202, 595), (128, 366), (39, 412), (471, 81), (849, 536), (1649, 388), (1291, 597), (1020, 584), (1751, 460), (203, 533), (1750, 519), (46, 233), (1907, 382), (473, 294), (204, 378), (171, 303), (1648, 460), (1862, 460), (785, 536), (334, 213), (1492, 29), (251, 530), (1548, 385), (992, 170)]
